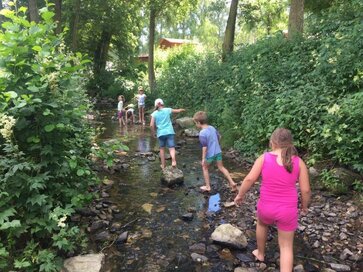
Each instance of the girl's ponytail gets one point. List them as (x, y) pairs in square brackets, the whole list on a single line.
[(286, 156)]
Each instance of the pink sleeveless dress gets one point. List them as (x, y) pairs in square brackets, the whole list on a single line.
[(278, 194)]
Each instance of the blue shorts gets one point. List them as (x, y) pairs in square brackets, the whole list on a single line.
[(166, 140)]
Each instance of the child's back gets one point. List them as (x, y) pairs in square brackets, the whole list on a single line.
[(278, 185), (209, 137)]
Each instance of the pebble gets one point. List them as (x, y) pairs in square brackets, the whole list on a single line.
[(199, 258), (299, 268), (339, 267)]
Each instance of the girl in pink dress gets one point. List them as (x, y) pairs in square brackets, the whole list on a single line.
[(280, 170)]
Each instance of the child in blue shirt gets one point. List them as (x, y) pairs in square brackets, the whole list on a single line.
[(211, 150), (161, 119)]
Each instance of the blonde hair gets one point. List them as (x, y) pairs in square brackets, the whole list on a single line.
[(201, 117), (282, 138)]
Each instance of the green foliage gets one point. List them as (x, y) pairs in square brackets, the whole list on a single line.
[(332, 183), (45, 144), (107, 151), (311, 85)]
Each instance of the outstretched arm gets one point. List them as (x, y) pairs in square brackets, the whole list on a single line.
[(177, 110), (249, 180), (304, 186)]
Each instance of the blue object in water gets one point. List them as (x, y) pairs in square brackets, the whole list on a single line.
[(213, 205)]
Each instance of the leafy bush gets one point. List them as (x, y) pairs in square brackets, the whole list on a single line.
[(45, 144), (312, 85)]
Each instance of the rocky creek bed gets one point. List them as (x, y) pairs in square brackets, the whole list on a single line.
[(142, 225)]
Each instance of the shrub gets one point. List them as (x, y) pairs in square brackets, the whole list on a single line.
[(45, 144)]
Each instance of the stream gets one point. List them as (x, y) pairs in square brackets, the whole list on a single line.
[(163, 224)]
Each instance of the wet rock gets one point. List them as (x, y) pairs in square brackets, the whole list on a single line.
[(99, 224), (108, 182), (84, 263), (185, 122), (187, 217), (125, 166), (191, 132), (230, 236), (103, 236), (198, 248), (172, 176), (115, 227), (345, 254), (199, 258), (339, 267), (244, 258), (122, 238), (313, 172), (316, 244), (151, 158), (245, 269), (105, 195), (328, 270)]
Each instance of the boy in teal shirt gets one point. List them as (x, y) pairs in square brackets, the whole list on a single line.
[(161, 120)]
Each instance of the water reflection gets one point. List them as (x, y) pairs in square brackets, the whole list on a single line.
[(214, 203)]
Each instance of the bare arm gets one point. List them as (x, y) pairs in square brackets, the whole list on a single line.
[(204, 154), (304, 186), (177, 110), (249, 180), (152, 126)]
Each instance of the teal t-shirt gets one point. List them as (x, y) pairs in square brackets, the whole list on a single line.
[(163, 122)]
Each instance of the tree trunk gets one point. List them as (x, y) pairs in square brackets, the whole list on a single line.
[(58, 16), (75, 23), (151, 48), (230, 30), (1, 17), (101, 52), (296, 18), (33, 11)]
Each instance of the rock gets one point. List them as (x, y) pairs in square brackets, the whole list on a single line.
[(345, 254), (243, 258), (231, 236), (191, 132), (244, 269), (187, 217), (102, 236), (85, 212), (105, 195), (122, 238), (96, 225), (185, 122), (199, 258), (316, 244), (198, 248), (115, 227), (328, 270), (172, 176), (299, 268), (313, 172), (229, 204), (108, 182), (346, 176), (84, 263), (339, 267)]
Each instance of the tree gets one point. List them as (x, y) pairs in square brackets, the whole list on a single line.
[(58, 16), (33, 11), (230, 29), (296, 18), (75, 24)]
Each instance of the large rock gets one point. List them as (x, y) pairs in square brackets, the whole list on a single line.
[(172, 176), (191, 132), (84, 263), (230, 236), (346, 176), (185, 122)]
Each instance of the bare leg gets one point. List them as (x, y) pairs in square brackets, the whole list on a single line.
[(140, 111), (286, 242), (227, 175), (162, 157), (261, 237), (206, 178), (143, 115), (133, 118), (172, 155)]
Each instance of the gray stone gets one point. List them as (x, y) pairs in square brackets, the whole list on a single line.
[(346, 176), (187, 217), (191, 132), (199, 258), (230, 236), (185, 122), (328, 270), (197, 248), (102, 236), (121, 239), (339, 267), (244, 269), (86, 212), (299, 268), (84, 263), (172, 176), (313, 172), (345, 254), (98, 225), (115, 227), (244, 258)]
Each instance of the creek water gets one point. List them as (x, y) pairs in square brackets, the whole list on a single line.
[(159, 239)]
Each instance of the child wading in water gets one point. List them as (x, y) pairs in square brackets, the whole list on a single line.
[(161, 119), (211, 150), (278, 204), (120, 106), (141, 105)]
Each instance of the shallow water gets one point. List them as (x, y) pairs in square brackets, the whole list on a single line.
[(159, 240)]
